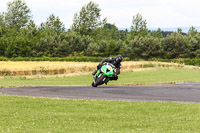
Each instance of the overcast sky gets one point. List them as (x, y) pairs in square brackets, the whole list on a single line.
[(157, 13)]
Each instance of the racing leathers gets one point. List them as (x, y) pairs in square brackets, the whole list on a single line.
[(115, 63)]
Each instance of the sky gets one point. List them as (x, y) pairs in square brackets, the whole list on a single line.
[(157, 13)]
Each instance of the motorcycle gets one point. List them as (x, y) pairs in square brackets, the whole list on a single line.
[(103, 74)]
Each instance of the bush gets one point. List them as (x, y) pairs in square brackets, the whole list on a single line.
[(3, 59), (69, 58)]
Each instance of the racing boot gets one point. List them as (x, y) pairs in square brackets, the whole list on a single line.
[(94, 72)]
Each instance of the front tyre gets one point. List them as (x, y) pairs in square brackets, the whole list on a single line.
[(93, 84), (99, 81)]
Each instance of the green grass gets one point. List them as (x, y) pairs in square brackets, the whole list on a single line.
[(125, 78), (160, 76), (42, 115)]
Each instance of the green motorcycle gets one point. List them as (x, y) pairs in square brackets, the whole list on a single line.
[(103, 75)]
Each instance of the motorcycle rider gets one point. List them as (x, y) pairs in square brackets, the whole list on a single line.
[(115, 61)]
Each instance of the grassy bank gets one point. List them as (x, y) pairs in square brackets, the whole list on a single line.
[(23, 114), (125, 78)]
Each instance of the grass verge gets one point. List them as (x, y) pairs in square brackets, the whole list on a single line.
[(25, 114), (125, 78)]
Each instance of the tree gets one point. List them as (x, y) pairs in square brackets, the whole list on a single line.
[(180, 30), (157, 34), (107, 40), (13, 33), (54, 24), (2, 25), (139, 26), (88, 19), (107, 32), (142, 47), (193, 40), (49, 40), (2, 20), (18, 14), (2, 35), (192, 31), (175, 46)]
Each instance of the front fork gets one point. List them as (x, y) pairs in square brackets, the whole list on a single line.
[(97, 74)]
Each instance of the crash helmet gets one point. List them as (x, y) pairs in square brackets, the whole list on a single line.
[(119, 58)]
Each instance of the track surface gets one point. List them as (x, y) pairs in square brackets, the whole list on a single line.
[(178, 92)]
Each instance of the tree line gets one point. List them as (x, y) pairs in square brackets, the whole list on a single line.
[(89, 35)]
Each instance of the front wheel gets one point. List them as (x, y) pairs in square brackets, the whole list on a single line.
[(99, 81), (93, 84)]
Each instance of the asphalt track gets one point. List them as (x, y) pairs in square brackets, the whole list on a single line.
[(187, 92)]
